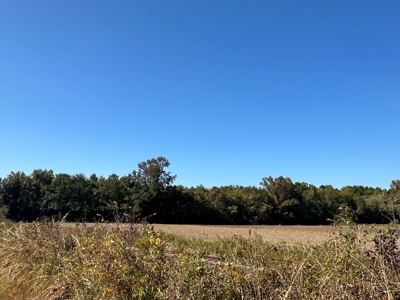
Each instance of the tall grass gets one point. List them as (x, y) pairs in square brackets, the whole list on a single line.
[(46, 261)]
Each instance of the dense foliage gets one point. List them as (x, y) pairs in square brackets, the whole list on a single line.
[(149, 193)]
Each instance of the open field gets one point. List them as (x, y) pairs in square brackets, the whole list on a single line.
[(311, 235), (272, 234)]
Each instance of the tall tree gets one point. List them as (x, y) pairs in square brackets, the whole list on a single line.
[(19, 197), (394, 194), (42, 179), (281, 191), (152, 174), (151, 186), (70, 195)]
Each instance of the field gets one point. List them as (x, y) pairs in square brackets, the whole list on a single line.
[(307, 235), (311, 235), (142, 261), (274, 234)]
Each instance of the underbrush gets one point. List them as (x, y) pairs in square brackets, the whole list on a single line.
[(44, 261)]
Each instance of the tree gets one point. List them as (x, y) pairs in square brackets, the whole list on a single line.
[(70, 196), (394, 195), (19, 198), (151, 188), (376, 208), (111, 197), (281, 191), (152, 174), (310, 209), (41, 180)]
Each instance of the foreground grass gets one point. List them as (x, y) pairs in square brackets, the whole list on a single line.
[(44, 261)]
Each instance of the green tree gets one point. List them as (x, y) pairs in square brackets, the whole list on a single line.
[(152, 174), (377, 208), (281, 191), (19, 198), (151, 188), (203, 210), (112, 197), (71, 196), (394, 195), (309, 210), (41, 180)]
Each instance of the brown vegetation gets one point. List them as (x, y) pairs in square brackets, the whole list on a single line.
[(274, 234), (49, 261)]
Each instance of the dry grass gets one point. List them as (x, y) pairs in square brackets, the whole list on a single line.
[(274, 234), (110, 261), (309, 235)]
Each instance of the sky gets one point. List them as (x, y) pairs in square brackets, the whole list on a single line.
[(228, 91)]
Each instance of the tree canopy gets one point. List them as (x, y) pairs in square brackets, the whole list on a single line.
[(149, 192)]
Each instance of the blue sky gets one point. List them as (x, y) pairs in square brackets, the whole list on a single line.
[(228, 91)]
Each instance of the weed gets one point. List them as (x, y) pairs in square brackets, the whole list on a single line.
[(45, 261)]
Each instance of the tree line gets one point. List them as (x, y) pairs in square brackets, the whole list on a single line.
[(149, 193)]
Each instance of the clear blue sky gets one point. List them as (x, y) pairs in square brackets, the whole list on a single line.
[(228, 91)]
